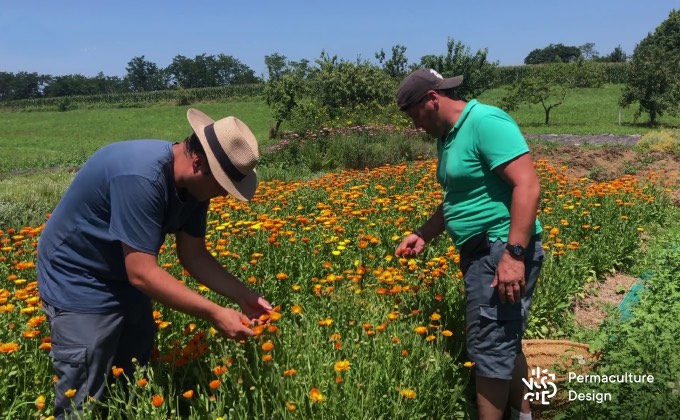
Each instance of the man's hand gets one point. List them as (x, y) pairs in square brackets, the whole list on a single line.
[(253, 305), (411, 246), (509, 279), (232, 324)]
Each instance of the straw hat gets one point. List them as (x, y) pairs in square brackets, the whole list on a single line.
[(231, 149)]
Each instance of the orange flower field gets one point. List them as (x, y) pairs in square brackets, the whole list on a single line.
[(357, 332)]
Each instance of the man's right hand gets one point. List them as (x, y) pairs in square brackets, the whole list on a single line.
[(232, 324), (411, 246)]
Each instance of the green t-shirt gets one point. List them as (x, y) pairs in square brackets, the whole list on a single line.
[(475, 198)]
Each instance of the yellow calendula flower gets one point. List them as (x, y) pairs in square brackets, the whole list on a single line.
[(70, 393), (342, 365), (408, 393)]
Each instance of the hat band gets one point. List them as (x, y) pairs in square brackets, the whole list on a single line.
[(221, 156)]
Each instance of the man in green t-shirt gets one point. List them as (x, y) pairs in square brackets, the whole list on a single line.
[(489, 208)]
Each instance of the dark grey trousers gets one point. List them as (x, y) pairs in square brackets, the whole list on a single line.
[(85, 347)]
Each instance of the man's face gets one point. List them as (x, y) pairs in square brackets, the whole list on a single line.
[(425, 115), (204, 185)]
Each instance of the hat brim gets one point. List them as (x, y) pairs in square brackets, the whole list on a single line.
[(450, 82), (243, 190)]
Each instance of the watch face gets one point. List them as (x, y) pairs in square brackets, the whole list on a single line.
[(517, 250)]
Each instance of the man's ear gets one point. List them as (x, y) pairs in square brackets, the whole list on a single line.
[(198, 162)]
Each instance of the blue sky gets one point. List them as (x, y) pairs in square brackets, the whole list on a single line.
[(86, 37)]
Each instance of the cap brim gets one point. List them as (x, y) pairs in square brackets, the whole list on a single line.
[(243, 190), (450, 82)]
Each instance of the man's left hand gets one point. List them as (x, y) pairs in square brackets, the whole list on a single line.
[(254, 305)]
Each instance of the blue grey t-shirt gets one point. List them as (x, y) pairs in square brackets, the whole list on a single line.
[(125, 193)]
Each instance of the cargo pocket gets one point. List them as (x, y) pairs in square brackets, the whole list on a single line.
[(70, 363), (500, 328)]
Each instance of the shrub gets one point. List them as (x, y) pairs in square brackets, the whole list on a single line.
[(660, 141)]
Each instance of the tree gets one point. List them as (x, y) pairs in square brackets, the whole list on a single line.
[(209, 71), (397, 65), (276, 64), (553, 53), (283, 91), (550, 86), (69, 85), (588, 51), (143, 75), (653, 78), (22, 85), (478, 73), (616, 56)]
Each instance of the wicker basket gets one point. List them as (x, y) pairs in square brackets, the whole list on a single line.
[(558, 356)]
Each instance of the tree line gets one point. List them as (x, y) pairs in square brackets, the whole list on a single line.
[(141, 76), (331, 91), (205, 70)]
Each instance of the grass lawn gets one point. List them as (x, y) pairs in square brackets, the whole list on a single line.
[(32, 140)]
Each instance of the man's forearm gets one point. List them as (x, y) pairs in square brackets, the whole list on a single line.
[(434, 226)]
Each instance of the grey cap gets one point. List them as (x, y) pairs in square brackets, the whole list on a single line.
[(415, 86)]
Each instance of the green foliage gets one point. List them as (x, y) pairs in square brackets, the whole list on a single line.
[(145, 76), (645, 345), (209, 71), (328, 94), (479, 74), (553, 53), (660, 141), (357, 147), (605, 72), (653, 79), (397, 65), (550, 86)]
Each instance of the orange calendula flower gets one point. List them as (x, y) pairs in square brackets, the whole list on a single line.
[(267, 346), (188, 394), (326, 322), (342, 365), (281, 276), (9, 347), (157, 400), (435, 317), (214, 384), (274, 316), (296, 309), (70, 393), (396, 340), (117, 371), (339, 380), (316, 396), (290, 372), (142, 382), (447, 333), (290, 406), (408, 393), (267, 358), (430, 338), (421, 330), (219, 370)]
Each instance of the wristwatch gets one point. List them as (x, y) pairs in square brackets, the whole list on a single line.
[(516, 250)]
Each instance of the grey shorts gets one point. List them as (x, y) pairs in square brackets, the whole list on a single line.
[(495, 330), (86, 346)]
